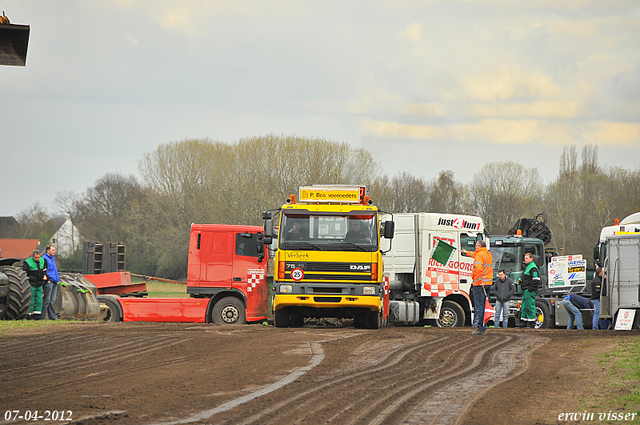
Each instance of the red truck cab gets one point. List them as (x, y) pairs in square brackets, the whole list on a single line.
[(226, 278), (229, 262)]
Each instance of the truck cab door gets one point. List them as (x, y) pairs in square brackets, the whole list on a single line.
[(468, 242), (216, 254), (539, 258), (250, 274)]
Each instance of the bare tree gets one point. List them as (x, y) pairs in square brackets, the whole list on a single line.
[(503, 192), (448, 196), (36, 223), (102, 211)]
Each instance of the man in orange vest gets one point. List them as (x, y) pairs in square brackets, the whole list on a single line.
[(482, 276)]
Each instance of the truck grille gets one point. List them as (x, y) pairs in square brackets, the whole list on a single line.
[(328, 267), (327, 272)]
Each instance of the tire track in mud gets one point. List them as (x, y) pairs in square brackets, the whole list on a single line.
[(91, 364), (398, 369), (433, 379), (316, 358)]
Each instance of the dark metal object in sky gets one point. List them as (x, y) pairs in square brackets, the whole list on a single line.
[(13, 44)]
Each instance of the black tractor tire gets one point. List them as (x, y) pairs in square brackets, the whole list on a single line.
[(229, 311), (16, 305), (115, 310), (543, 320), (451, 315), (282, 318), (359, 321)]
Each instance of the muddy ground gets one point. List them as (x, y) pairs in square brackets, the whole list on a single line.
[(149, 373)]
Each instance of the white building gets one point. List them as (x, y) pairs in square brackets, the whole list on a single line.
[(67, 239)]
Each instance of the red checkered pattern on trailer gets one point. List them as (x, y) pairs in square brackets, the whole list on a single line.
[(440, 284)]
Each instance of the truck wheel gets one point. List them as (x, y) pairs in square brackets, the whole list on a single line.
[(373, 320), (542, 315), (451, 315), (296, 321), (282, 318), (114, 313), (359, 321), (228, 311), (16, 305)]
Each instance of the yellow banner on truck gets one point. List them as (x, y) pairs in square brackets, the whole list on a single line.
[(341, 194)]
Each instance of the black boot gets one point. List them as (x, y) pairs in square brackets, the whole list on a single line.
[(531, 325)]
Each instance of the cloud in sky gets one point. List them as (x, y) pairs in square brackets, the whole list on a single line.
[(414, 82)]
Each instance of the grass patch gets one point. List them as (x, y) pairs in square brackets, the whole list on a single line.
[(621, 387), (7, 326), (158, 289)]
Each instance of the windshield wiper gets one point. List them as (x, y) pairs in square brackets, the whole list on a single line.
[(303, 244), (352, 245)]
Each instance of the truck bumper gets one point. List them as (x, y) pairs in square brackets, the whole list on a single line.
[(373, 303)]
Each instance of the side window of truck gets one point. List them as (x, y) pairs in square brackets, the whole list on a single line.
[(538, 256), (468, 242), (246, 244)]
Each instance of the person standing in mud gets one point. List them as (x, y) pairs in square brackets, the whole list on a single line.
[(51, 285), (596, 289), (530, 283), (503, 288), (36, 269), (482, 276)]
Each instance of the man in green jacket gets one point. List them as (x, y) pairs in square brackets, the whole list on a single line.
[(36, 269), (530, 284)]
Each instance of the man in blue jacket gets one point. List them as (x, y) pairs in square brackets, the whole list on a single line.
[(573, 303), (51, 285)]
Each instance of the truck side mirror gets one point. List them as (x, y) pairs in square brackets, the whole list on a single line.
[(268, 230), (596, 253), (389, 228), (260, 247)]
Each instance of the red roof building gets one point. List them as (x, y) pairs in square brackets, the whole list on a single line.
[(18, 248)]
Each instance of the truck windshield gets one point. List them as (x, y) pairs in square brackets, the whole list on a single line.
[(507, 258), (347, 232)]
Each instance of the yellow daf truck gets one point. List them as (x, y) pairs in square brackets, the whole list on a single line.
[(328, 261)]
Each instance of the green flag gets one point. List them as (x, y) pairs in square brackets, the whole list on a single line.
[(442, 252)]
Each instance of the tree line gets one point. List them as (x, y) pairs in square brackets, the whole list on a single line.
[(205, 181)]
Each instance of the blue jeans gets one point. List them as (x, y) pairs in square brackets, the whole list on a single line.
[(478, 307), (501, 307), (574, 314), (475, 317), (50, 294), (596, 314)]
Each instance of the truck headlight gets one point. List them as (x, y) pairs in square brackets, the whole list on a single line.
[(369, 290), (286, 288)]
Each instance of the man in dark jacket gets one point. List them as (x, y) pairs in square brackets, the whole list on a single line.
[(503, 288), (596, 289), (36, 269), (573, 303)]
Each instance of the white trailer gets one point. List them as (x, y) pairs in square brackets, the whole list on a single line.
[(621, 288), (630, 223), (420, 287)]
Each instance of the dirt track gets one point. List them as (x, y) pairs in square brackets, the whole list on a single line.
[(144, 373)]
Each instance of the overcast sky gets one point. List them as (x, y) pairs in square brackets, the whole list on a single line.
[(425, 86)]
